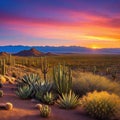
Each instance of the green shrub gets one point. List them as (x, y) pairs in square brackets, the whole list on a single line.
[(68, 100), (101, 105), (45, 111), (87, 82), (24, 92), (1, 93)]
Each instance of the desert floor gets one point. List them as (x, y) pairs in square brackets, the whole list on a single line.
[(25, 109)]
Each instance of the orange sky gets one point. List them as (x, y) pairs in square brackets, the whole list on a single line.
[(57, 25)]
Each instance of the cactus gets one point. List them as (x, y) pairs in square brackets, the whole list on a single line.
[(62, 79), (45, 111), (11, 60), (3, 67), (44, 67), (94, 69), (1, 93), (68, 100)]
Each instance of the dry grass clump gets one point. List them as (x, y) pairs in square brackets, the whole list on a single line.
[(87, 82)]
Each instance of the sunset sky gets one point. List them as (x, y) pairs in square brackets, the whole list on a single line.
[(89, 23)]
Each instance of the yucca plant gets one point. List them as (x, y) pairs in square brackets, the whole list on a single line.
[(24, 92), (68, 100), (45, 111), (49, 98), (62, 79), (101, 105)]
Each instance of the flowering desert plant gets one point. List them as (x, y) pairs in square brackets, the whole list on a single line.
[(101, 105)]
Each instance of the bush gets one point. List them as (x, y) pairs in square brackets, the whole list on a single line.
[(45, 111), (87, 82), (68, 100), (101, 105)]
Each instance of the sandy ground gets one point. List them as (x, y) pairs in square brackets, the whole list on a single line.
[(24, 109)]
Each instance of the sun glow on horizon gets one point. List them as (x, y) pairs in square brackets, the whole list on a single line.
[(95, 47)]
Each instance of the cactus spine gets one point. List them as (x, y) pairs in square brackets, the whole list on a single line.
[(44, 67), (62, 77)]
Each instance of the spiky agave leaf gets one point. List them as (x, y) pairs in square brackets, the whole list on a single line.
[(68, 100), (49, 98), (24, 92)]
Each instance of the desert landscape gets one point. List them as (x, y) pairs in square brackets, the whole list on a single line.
[(59, 59), (51, 79)]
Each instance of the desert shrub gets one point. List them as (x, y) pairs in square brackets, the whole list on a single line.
[(45, 111), (101, 105), (24, 92), (1, 93), (68, 100), (87, 82)]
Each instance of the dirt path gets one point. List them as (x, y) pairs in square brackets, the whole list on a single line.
[(24, 109)]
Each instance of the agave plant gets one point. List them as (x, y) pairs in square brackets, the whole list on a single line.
[(68, 100), (24, 92), (29, 79), (42, 89), (49, 98)]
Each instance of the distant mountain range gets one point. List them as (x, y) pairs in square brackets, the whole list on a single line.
[(32, 52), (48, 50)]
